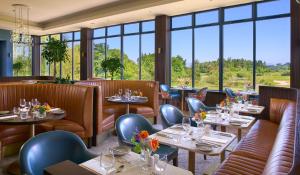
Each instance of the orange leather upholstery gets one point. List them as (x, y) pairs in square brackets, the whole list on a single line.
[(107, 112), (76, 100), (268, 148)]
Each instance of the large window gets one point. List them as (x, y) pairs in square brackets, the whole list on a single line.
[(132, 43), (22, 60), (232, 47), (70, 68)]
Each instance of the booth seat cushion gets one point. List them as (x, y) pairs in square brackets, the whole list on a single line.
[(240, 165), (12, 134), (108, 122), (65, 125), (145, 111), (259, 141)]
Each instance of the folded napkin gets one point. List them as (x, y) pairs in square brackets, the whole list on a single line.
[(213, 139), (239, 120), (8, 117), (54, 109)]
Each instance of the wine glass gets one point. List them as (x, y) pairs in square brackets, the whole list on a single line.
[(218, 109), (161, 164), (120, 91), (186, 124), (16, 110), (109, 163), (28, 105), (22, 102)]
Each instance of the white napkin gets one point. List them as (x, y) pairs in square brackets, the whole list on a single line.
[(239, 120), (213, 139), (8, 117), (54, 109)]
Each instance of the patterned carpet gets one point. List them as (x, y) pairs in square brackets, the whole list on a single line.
[(202, 166)]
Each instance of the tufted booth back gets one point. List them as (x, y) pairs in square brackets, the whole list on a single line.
[(77, 101)]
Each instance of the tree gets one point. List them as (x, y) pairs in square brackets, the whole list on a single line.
[(17, 67), (55, 51), (112, 65)]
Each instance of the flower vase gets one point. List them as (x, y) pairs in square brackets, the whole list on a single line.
[(146, 158), (42, 114)]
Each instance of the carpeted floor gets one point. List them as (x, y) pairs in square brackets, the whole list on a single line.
[(202, 166)]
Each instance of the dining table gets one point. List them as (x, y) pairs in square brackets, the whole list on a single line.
[(12, 119), (127, 101), (196, 140), (131, 164), (225, 120)]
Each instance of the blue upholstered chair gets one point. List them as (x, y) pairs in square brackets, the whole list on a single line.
[(50, 148), (167, 92), (229, 93), (126, 126), (170, 115)]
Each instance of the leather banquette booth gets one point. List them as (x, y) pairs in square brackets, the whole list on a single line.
[(76, 100), (269, 146), (106, 113)]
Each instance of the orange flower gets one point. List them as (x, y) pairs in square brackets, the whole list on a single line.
[(144, 134), (154, 144)]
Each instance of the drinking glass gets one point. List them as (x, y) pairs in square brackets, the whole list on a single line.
[(120, 91), (28, 105), (186, 124), (160, 164), (109, 163), (218, 109), (16, 110), (22, 102)]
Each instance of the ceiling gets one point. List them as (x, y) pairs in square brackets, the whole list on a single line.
[(54, 16)]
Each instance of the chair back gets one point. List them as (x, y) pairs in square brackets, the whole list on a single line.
[(201, 95), (229, 93), (170, 115), (195, 106), (49, 148), (164, 88), (129, 124)]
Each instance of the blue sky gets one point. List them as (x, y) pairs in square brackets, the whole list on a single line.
[(272, 36)]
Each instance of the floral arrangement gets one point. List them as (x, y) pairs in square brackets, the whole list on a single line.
[(42, 108), (141, 141), (203, 115)]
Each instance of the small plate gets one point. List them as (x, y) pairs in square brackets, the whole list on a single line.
[(4, 112), (58, 112), (121, 150)]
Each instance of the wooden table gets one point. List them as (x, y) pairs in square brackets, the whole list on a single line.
[(127, 102), (182, 91), (170, 136), (132, 165), (14, 168), (214, 119)]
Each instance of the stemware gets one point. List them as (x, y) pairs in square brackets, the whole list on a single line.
[(34, 102), (22, 102), (186, 124), (160, 163), (120, 91), (16, 110), (107, 164)]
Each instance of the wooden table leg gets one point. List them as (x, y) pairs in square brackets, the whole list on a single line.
[(127, 108), (182, 100), (192, 158), (223, 128), (222, 156), (32, 130), (239, 135)]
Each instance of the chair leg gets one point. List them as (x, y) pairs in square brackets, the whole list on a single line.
[(175, 161), (89, 142), (204, 156), (155, 120)]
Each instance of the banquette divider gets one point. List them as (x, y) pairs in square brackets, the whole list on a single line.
[(106, 113), (272, 144), (76, 100)]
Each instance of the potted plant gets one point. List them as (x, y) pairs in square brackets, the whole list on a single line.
[(55, 51), (112, 65)]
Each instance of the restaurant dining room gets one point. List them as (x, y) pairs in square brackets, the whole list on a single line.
[(150, 87)]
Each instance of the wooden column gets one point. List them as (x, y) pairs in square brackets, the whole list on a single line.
[(295, 44), (36, 54), (86, 54), (162, 49)]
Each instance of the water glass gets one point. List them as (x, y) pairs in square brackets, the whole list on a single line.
[(120, 91), (16, 110), (23, 113), (107, 164), (186, 124), (28, 105), (22, 102), (160, 164)]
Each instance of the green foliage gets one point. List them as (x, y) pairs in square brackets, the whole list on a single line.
[(55, 51), (112, 65), (22, 66), (66, 80)]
